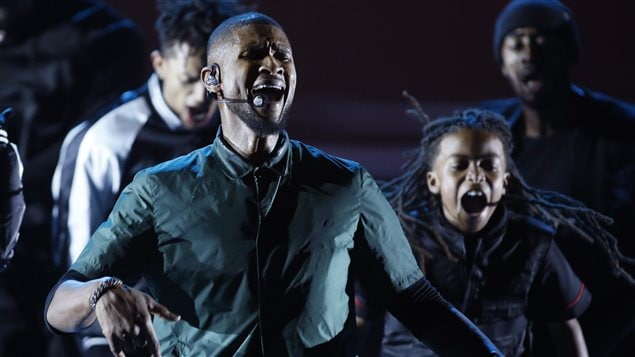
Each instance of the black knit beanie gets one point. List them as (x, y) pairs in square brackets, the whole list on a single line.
[(545, 15)]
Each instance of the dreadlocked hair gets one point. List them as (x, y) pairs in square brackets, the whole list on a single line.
[(414, 203), (192, 21)]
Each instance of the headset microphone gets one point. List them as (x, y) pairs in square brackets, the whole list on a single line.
[(258, 101)]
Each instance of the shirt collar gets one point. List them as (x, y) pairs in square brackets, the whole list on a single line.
[(235, 166), (156, 97)]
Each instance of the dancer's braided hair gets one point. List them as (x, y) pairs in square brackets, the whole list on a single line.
[(413, 202)]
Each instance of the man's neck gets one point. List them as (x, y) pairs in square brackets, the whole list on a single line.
[(252, 146), (547, 119), (536, 126)]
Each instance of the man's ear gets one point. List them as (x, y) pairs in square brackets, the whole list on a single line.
[(505, 182), (158, 63), (433, 182), (210, 76)]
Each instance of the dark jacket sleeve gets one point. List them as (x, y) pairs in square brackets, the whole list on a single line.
[(438, 324)]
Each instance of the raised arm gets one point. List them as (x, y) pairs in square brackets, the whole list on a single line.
[(438, 324), (84, 295)]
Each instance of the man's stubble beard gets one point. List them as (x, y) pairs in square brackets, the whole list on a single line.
[(258, 124)]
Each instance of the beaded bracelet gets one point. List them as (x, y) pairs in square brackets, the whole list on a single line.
[(105, 285)]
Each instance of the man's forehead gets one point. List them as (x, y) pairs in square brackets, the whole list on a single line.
[(184, 50), (530, 31), (466, 139), (524, 31), (258, 33)]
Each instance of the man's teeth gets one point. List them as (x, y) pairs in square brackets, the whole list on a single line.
[(474, 193), (267, 86)]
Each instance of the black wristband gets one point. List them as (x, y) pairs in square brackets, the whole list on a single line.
[(105, 285)]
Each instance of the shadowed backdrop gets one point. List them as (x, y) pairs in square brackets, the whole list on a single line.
[(355, 57)]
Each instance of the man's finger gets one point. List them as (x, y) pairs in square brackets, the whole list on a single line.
[(162, 311), (116, 344), (148, 330)]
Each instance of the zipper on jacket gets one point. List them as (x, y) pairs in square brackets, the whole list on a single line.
[(469, 291), (258, 275)]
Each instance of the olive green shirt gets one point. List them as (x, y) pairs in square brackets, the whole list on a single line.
[(256, 260)]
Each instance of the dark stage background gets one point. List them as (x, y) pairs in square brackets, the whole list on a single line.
[(354, 57)]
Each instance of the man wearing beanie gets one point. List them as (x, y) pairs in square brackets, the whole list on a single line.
[(577, 142)]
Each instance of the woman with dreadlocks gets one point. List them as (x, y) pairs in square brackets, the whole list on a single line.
[(486, 239)]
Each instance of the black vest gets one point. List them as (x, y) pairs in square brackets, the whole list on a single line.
[(490, 280)]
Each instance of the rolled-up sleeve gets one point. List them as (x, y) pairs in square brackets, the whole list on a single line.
[(109, 249), (385, 261)]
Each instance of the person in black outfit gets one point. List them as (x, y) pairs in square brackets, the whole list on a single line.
[(11, 197), (486, 239), (577, 142)]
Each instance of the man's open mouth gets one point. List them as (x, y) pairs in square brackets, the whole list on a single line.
[(474, 201), (532, 79), (531, 76), (273, 91), (199, 114)]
